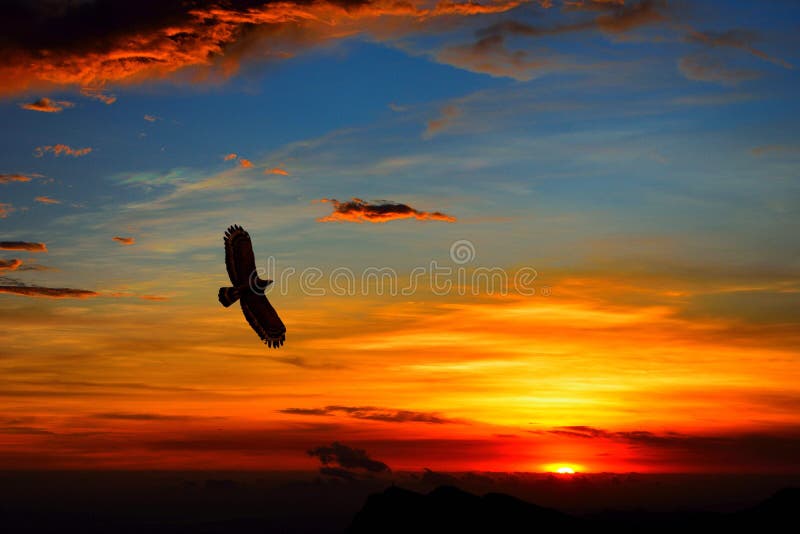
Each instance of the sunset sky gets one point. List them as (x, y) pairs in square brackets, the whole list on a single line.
[(638, 161)]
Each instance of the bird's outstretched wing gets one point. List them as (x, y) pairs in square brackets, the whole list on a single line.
[(263, 319), (239, 258)]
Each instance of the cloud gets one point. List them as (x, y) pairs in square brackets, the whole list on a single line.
[(46, 200), (46, 105), (704, 68), (151, 118), (98, 94), (155, 298), (488, 54), (5, 209), (23, 245), (48, 292), (59, 149), (374, 414), (774, 149), (18, 177), (359, 211), (736, 38), (124, 416), (10, 265), (124, 240), (277, 170), (347, 457), (245, 163), (448, 114), (93, 44), (230, 156)]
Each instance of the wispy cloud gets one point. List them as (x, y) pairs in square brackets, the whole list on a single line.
[(46, 105), (48, 292), (5, 209), (373, 413), (151, 118), (18, 177), (46, 200), (447, 116), (359, 211), (59, 149), (98, 93), (277, 170), (124, 240), (705, 68)]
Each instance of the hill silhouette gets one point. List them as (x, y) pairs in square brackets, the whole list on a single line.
[(450, 509)]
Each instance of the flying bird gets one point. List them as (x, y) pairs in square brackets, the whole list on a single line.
[(248, 288)]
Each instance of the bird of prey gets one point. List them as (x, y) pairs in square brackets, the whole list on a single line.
[(248, 288)]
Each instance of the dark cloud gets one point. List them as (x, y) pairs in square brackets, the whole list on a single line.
[(337, 454), (46, 105), (48, 292), (23, 245), (373, 413), (95, 43), (10, 265), (358, 211)]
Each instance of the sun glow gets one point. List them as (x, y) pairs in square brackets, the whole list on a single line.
[(565, 471)]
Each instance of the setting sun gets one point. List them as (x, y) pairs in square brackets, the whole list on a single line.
[(565, 471)]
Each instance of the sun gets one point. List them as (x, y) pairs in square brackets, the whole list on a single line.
[(563, 469)]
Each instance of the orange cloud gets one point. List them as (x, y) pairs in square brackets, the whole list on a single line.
[(23, 245), (245, 163), (48, 292), (277, 170), (704, 68), (230, 156), (60, 149), (95, 48), (17, 177), (359, 211), (46, 105), (10, 265), (124, 240), (98, 94), (5, 210), (47, 200)]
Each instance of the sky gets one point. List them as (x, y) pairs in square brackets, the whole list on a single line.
[(505, 235)]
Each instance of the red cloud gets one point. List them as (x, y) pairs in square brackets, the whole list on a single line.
[(45, 105), (59, 149), (359, 211), (124, 240), (245, 163), (230, 156), (47, 200), (23, 245), (277, 170)]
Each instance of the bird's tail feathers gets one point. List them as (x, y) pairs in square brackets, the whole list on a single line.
[(228, 295)]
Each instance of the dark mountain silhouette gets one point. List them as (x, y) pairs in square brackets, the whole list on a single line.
[(449, 509)]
